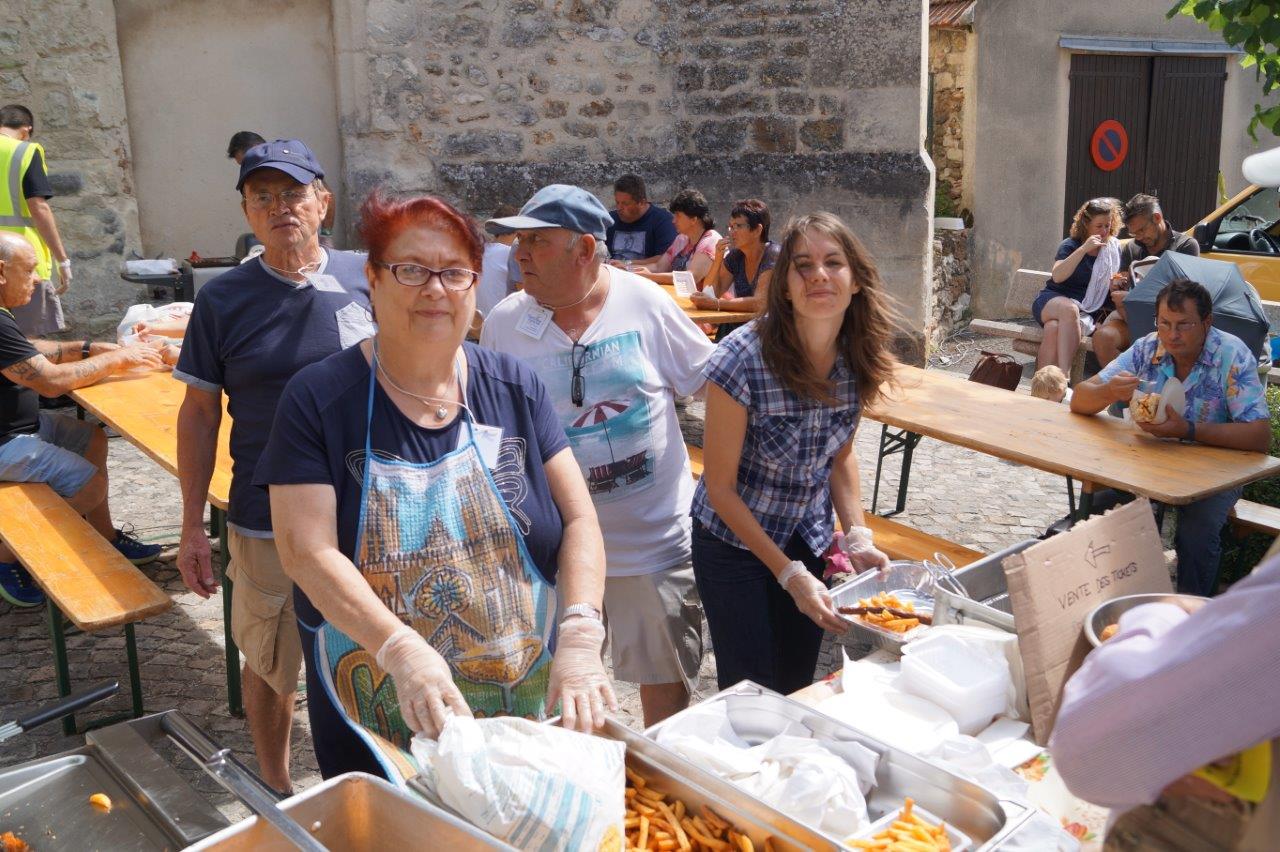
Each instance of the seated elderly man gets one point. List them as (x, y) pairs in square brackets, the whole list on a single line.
[(1173, 722), (1225, 407), (40, 446)]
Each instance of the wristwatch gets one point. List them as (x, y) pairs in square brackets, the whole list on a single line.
[(84, 349), (584, 610)]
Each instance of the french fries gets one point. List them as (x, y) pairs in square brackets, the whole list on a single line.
[(654, 823), (908, 833), (887, 612), (1145, 408)]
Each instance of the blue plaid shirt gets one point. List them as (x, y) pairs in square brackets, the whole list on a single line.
[(784, 475)]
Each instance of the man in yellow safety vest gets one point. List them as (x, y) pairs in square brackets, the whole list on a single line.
[(24, 209)]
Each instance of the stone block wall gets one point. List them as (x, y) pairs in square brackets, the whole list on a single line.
[(60, 59), (949, 305), (949, 68), (807, 104)]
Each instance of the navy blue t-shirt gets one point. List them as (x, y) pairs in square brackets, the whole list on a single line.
[(648, 236), (1078, 283), (319, 438), (250, 332)]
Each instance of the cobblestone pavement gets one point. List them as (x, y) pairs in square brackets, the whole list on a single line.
[(967, 497)]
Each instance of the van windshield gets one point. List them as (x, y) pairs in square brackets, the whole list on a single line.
[(1259, 210)]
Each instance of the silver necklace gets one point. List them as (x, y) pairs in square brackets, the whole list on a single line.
[(301, 272), (571, 304), (441, 412)]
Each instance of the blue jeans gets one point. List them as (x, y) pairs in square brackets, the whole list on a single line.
[(1198, 541), (757, 632), (53, 455)]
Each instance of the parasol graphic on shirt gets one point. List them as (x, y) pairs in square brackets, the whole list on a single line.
[(611, 433)]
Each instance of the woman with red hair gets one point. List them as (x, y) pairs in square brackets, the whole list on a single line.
[(429, 510)]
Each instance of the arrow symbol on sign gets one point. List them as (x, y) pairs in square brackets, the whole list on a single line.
[(1092, 554)]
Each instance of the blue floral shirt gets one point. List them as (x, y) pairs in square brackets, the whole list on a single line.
[(784, 474), (1222, 387)]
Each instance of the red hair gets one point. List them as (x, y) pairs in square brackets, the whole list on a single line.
[(383, 217)]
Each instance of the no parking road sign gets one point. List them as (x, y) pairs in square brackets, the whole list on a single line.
[(1109, 145)]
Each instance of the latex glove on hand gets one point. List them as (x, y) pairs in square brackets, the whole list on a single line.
[(862, 553), (578, 679), (64, 277), (424, 683), (812, 597)]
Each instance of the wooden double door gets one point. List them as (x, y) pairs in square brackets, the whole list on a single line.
[(1145, 124)]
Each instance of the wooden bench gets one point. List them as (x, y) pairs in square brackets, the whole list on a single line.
[(1024, 286), (85, 578), (1256, 517), (897, 540)]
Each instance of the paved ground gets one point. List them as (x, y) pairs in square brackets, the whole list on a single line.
[(967, 497)]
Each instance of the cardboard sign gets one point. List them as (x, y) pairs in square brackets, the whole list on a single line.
[(1055, 584)]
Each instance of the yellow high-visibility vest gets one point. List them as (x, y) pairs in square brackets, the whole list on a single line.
[(15, 158)]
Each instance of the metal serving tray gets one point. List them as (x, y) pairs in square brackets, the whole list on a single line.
[(46, 801), (899, 579), (670, 773), (758, 714), (358, 811), (988, 601)]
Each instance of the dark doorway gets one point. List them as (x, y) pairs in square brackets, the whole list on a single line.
[(1170, 108)]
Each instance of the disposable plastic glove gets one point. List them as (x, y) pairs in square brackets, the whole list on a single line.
[(863, 554), (578, 679), (424, 684), (64, 277), (811, 597)]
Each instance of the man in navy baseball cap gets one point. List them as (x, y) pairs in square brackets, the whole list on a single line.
[(290, 156), (557, 206)]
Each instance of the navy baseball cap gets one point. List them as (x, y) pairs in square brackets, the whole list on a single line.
[(291, 156), (557, 206)]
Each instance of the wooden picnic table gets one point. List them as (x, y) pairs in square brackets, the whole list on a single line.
[(144, 410), (1098, 450), (709, 317)]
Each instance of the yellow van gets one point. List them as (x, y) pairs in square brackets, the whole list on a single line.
[(1246, 230)]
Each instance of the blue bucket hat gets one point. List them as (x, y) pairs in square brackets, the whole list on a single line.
[(557, 206), (291, 156)]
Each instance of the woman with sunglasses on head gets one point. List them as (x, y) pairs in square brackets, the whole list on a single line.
[(1078, 292), (429, 510), (784, 395)]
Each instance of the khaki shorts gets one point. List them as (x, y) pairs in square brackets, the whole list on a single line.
[(655, 627), (262, 620)]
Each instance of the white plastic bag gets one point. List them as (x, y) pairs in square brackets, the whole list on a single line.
[(531, 785), (151, 314)]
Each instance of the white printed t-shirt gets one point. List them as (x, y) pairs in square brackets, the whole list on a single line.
[(642, 352)]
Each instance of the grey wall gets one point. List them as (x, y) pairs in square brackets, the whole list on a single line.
[(809, 104), (1021, 144)]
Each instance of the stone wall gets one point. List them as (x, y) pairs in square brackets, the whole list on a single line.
[(949, 307), (949, 69), (807, 104), (61, 60)]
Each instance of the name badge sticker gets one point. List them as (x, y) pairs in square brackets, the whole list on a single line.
[(488, 442), (325, 283), (534, 322)]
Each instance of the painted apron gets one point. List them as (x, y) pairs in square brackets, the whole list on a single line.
[(439, 547)]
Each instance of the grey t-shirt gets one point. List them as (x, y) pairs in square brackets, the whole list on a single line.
[(1178, 241)]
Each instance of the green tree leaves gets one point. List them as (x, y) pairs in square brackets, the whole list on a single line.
[(1254, 27)]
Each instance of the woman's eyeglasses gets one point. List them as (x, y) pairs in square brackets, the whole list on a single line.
[(578, 383), (417, 275)]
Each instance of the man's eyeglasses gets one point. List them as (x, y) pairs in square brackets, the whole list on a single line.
[(1180, 327), (578, 383), (267, 200), (417, 275)]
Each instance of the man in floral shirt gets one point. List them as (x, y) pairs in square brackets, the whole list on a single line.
[(1226, 407)]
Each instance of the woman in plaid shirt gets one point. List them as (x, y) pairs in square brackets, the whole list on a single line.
[(783, 399)]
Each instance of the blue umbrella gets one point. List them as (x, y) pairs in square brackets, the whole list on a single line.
[(1236, 307)]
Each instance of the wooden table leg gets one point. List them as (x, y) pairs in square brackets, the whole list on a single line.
[(218, 520)]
